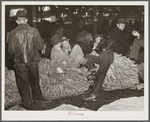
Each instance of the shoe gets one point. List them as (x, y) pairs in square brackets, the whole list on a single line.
[(46, 99), (90, 77), (87, 92), (43, 106), (90, 97)]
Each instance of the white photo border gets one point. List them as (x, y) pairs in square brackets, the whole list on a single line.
[(87, 115)]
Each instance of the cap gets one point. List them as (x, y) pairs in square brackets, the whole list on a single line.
[(21, 13), (64, 38), (136, 28), (56, 39), (121, 20)]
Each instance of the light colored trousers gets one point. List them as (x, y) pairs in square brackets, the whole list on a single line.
[(76, 56)]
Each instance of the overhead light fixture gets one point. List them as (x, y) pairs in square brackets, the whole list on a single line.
[(118, 8), (106, 15), (62, 14), (86, 14), (65, 15), (39, 8), (56, 6), (66, 8), (47, 8)]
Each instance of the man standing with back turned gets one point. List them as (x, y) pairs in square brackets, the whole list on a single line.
[(25, 41)]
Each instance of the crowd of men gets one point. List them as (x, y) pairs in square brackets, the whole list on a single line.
[(25, 41)]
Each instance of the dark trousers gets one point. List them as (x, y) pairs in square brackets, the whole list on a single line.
[(90, 65), (27, 79), (91, 60), (104, 60)]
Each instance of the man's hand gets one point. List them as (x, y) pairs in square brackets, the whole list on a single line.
[(128, 53), (94, 53), (130, 47), (135, 33), (43, 50)]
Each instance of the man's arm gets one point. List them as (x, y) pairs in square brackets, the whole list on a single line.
[(8, 34), (40, 41), (11, 44)]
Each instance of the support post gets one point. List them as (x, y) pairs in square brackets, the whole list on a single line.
[(34, 17), (94, 20)]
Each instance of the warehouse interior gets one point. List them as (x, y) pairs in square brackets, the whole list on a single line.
[(75, 19)]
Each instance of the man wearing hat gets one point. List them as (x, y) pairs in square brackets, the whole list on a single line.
[(60, 57), (25, 42), (47, 50), (121, 44)]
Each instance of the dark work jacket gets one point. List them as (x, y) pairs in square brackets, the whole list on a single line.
[(25, 41), (121, 44)]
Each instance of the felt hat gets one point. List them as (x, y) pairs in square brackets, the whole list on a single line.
[(64, 38), (121, 20), (136, 28), (55, 39), (21, 13)]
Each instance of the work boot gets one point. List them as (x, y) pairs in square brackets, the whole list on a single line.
[(90, 97), (44, 106), (87, 92)]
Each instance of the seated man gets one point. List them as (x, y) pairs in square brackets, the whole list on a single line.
[(47, 48), (121, 46), (137, 44), (60, 55), (104, 60)]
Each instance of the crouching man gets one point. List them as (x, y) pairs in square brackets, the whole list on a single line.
[(25, 41)]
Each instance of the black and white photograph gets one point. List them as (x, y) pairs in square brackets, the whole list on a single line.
[(74, 60)]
